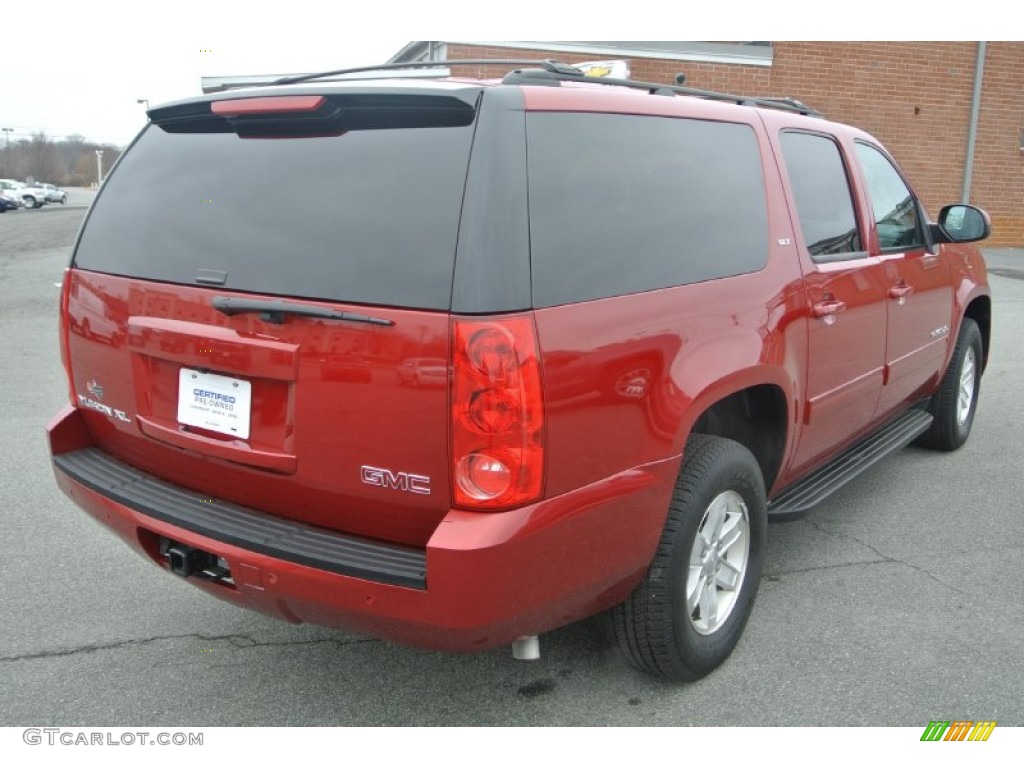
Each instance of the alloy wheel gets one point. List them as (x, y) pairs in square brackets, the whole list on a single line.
[(718, 562)]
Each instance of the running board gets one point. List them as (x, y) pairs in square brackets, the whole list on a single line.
[(799, 499)]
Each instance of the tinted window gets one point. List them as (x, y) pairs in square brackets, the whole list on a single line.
[(823, 200), (892, 203), (620, 204), (370, 216)]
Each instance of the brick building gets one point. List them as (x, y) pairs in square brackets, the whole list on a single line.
[(917, 98)]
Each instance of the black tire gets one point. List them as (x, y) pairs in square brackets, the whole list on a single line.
[(30, 202), (653, 627), (952, 425)]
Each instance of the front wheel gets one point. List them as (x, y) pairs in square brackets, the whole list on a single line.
[(31, 202), (686, 616), (956, 401)]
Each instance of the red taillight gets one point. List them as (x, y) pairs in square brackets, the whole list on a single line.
[(497, 413), (65, 350)]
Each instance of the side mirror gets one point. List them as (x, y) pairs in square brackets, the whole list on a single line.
[(961, 224)]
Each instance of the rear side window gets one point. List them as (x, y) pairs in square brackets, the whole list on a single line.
[(621, 204), (370, 216), (824, 203)]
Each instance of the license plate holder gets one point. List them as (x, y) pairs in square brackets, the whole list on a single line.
[(218, 403)]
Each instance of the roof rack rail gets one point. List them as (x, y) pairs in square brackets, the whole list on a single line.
[(796, 103), (554, 72), (549, 77), (547, 65)]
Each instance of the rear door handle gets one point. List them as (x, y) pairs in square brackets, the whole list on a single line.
[(900, 291), (828, 307)]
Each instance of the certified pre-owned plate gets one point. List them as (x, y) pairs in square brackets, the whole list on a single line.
[(218, 403)]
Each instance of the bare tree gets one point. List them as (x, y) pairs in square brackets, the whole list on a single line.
[(71, 162), (43, 158)]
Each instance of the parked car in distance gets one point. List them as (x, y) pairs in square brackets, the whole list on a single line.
[(34, 195), (679, 315), (8, 204), (423, 372), (54, 194), (345, 366), (91, 316), (26, 195)]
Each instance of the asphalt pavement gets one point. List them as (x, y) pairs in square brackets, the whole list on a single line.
[(897, 602)]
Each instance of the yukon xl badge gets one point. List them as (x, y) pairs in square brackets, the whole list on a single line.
[(112, 413), (398, 481)]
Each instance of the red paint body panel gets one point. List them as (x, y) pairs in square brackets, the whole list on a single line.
[(846, 357), (491, 577), (326, 399), (873, 361), (919, 318), (626, 377), (969, 276)]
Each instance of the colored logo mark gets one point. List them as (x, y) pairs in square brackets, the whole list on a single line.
[(958, 730)]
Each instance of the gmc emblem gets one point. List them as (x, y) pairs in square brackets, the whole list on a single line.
[(397, 481)]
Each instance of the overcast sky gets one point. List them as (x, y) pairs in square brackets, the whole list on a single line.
[(80, 67)]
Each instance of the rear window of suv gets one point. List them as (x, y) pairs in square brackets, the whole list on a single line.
[(622, 203), (370, 216)]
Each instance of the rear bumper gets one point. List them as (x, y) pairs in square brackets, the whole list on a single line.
[(483, 579)]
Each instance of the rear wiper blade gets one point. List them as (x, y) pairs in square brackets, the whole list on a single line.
[(273, 310)]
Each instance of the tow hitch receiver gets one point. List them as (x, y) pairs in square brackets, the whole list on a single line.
[(188, 561)]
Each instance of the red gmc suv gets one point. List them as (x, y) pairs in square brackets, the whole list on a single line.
[(656, 318)]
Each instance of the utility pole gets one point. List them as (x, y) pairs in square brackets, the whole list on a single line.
[(7, 163), (99, 167)]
